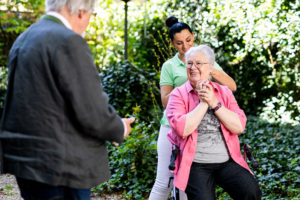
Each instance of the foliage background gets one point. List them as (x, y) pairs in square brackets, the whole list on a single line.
[(256, 43)]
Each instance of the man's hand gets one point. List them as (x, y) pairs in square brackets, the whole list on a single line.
[(128, 122)]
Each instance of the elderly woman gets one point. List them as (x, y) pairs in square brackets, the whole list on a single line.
[(206, 121)]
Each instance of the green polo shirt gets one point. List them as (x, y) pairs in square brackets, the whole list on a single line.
[(173, 73)]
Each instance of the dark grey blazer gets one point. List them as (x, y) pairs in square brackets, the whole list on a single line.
[(57, 117)]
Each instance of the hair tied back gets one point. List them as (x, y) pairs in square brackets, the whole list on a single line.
[(171, 21)]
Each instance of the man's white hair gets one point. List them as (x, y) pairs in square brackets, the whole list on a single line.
[(73, 5), (204, 49)]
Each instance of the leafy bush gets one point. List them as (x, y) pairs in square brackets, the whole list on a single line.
[(105, 34), (3, 86), (277, 148), (132, 89), (15, 17), (133, 165), (275, 109)]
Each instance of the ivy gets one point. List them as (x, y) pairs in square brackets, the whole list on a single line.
[(133, 165)]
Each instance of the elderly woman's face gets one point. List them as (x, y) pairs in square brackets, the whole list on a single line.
[(198, 68)]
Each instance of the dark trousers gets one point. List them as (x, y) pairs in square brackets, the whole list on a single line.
[(32, 190), (234, 179)]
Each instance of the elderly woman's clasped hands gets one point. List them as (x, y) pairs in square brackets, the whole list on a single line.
[(206, 94)]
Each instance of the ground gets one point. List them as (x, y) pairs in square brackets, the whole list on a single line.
[(9, 190)]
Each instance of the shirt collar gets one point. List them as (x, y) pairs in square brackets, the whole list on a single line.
[(61, 18), (189, 86), (177, 60)]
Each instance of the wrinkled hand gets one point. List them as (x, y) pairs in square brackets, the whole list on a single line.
[(200, 88), (206, 93), (128, 122)]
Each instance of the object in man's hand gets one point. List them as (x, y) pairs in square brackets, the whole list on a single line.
[(115, 144)]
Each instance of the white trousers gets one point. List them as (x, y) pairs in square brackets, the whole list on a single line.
[(160, 190)]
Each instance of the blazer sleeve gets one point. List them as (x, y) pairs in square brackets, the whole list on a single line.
[(80, 84)]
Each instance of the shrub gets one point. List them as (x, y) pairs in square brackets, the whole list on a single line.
[(133, 165), (3, 84), (16, 17), (132, 89), (277, 148)]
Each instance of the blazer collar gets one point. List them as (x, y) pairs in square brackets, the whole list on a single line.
[(56, 17)]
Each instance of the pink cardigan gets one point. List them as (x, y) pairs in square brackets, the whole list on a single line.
[(182, 101)]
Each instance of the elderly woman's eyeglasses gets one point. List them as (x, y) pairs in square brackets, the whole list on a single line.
[(197, 64)]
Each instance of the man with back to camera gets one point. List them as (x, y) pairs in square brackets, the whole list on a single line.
[(56, 117)]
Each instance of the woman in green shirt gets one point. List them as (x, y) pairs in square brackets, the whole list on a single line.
[(173, 74)]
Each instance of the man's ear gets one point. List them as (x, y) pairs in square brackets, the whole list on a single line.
[(81, 13)]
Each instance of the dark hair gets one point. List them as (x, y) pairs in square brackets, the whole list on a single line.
[(176, 27)]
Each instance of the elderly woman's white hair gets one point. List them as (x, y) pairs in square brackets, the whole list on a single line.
[(204, 49), (73, 5)]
